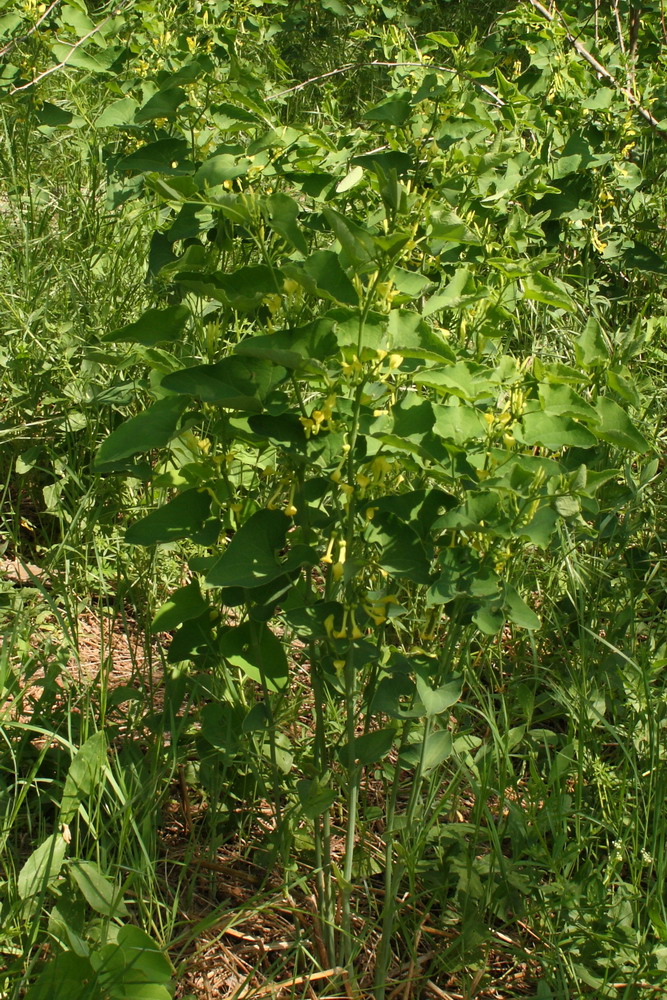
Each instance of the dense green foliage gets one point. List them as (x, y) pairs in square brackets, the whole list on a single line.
[(334, 362)]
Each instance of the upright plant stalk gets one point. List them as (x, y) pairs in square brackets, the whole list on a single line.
[(392, 876), (275, 771), (394, 870), (322, 823), (353, 773)]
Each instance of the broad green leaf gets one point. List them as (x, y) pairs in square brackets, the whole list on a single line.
[(541, 528), (80, 58), (387, 160), (328, 277), (448, 227), (549, 291), (590, 348), (99, 892), (517, 611), (563, 401), (145, 955), (438, 700), (83, 775), (155, 326), (394, 111), (489, 617), (418, 508), (296, 348), (257, 720), (130, 966), (642, 258), (369, 748), (350, 180), (251, 558), (76, 18), (624, 385), (151, 429), (459, 424), (315, 798), (478, 509), (628, 176), (225, 115), (181, 517), (53, 115), (445, 38), (42, 867), (243, 290), (336, 7), (617, 428), (120, 112), (283, 212), (393, 697), (549, 431), (409, 283), (258, 653), (355, 241), (403, 554), (433, 751), (67, 976), (464, 379), (165, 156), (218, 169), (410, 336), (235, 383), (183, 604), (459, 291), (164, 104), (412, 417), (221, 725)]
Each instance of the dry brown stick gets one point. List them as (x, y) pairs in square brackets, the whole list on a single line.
[(77, 45), (441, 993), (288, 984), (598, 67), (619, 27), (17, 41), (311, 906), (379, 62), (634, 24)]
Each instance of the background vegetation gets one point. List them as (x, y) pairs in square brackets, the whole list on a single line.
[(333, 614)]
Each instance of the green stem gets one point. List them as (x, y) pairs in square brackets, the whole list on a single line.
[(322, 823), (353, 774), (275, 771), (393, 873)]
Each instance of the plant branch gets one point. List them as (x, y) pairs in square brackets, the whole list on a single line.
[(77, 45), (17, 41), (379, 62), (598, 67)]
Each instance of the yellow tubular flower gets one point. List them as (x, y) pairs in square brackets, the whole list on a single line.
[(327, 557), (355, 632)]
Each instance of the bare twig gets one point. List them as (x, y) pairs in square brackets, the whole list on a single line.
[(598, 67), (288, 984), (17, 41), (185, 800), (634, 24), (619, 27), (379, 62), (77, 45), (441, 994)]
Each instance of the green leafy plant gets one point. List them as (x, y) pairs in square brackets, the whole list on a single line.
[(383, 399)]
